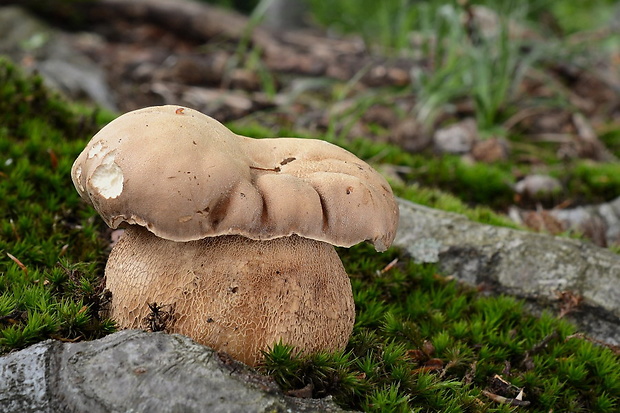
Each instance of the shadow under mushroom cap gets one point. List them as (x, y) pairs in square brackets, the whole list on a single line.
[(185, 176)]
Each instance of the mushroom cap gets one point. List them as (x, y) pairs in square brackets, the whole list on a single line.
[(185, 176)]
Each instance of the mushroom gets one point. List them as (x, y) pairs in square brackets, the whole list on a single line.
[(231, 237)]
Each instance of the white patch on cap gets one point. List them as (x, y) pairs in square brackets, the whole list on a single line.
[(95, 150), (107, 178), (78, 178)]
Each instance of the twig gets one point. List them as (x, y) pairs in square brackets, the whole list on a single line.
[(505, 400), (19, 263), (388, 267)]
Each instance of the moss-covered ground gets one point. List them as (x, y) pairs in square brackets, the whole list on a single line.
[(421, 342), (51, 248)]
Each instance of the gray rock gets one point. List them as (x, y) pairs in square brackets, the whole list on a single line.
[(135, 371), (457, 138), (285, 14), (532, 266), (603, 217), (538, 187), (37, 47)]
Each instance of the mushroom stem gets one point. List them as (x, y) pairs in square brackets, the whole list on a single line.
[(234, 294)]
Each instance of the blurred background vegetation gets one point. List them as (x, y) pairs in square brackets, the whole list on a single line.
[(395, 18)]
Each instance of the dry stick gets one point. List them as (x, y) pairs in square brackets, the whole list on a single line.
[(388, 267), (505, 400), (527, 362), (19, 263)]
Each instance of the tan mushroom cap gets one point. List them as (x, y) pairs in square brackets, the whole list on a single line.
[(185, 176)]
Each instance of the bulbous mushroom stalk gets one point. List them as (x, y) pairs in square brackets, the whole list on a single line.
[(234, 234), (235, 294)]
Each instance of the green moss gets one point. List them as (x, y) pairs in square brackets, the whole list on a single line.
[(594, 182), (422, 342), (611, 139), (51, 250)]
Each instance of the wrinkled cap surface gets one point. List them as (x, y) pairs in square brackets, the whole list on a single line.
[(184, 176)]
